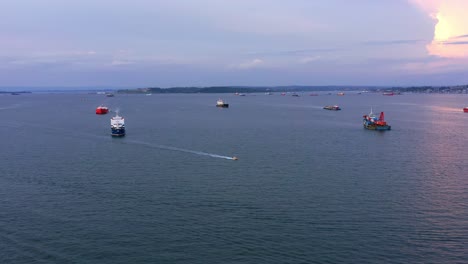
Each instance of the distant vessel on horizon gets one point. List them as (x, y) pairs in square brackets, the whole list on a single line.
[(109, 94)]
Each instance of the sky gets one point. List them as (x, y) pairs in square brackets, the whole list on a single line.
[(166, 43)]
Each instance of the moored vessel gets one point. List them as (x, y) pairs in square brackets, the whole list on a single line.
[(332, 107), (221, 103), (118, 126), (102, 110), (371, 122)]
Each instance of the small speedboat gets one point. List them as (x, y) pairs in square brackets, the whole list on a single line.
[(332, 107), (234, 158)]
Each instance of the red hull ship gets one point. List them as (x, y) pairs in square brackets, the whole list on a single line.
[(102, 110), (465, 109)]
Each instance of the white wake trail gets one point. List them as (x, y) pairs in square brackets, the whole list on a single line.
[(180, 149), (14, 124)]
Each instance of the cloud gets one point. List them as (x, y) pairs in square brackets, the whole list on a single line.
[(249, 65), (270, 24), (294, 52), (435, 66), (121, 62), (451, 48), (51, 58), (428, 6), (309, 59), (456, 43), (462, 36), (393, 42), (451, 23), (259, 17)]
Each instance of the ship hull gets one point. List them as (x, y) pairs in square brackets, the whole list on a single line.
[(465, 109), (333, 108), (376, 127), (101, 111), (118, 132), (223, 105)]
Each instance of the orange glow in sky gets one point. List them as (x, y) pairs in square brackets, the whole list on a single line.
[(443, 29)]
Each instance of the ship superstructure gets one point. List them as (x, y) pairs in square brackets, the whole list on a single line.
[(117, 126)]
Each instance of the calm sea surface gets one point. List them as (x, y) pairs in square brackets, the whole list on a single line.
[(310, 185)]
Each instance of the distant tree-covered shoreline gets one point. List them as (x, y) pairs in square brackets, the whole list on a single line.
[(265, 89)]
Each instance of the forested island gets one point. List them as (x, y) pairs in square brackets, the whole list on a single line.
[(14, 93), (266, 89), (237, 89), (457, 89)]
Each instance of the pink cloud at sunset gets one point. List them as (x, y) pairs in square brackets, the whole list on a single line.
[(451, 27)]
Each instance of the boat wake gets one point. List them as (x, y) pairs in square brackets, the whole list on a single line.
[(14, 106), (201, 153), (124, 141)]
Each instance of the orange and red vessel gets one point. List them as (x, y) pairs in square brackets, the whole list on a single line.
[(102, 110), (371, 122)]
